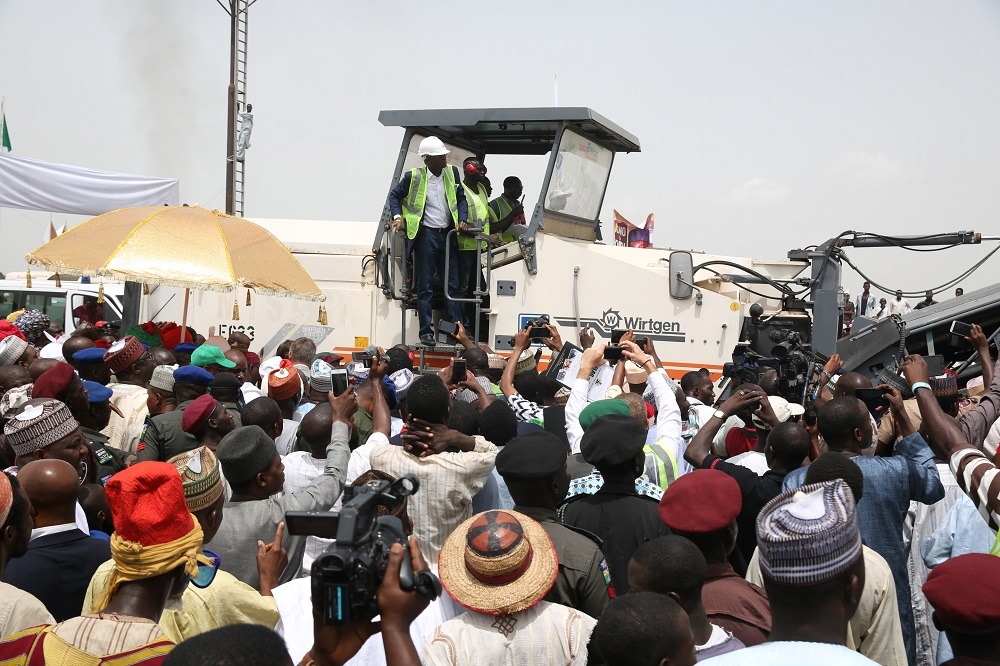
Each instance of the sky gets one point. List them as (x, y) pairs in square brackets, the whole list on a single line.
[(764, 126)]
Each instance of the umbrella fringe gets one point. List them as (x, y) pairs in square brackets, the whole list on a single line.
[(182, 284), (27, 279), (236, 310)]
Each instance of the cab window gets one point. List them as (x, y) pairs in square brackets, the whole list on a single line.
[(53, 305), (8, 302), (86, 310)]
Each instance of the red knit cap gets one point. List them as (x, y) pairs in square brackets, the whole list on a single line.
[(53, 382), (147, 500), (197, 414)]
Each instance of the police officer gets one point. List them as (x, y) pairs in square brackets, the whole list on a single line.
[(103, 460), (534, 468), (430, 201), (163, 437)]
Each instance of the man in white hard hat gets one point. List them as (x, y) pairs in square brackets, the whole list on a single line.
[(431, 201)]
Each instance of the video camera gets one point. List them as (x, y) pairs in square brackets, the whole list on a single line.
[(346, 577), (791, 357), (369, 357)]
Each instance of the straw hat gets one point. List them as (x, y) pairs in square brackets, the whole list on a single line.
[(498, 562)]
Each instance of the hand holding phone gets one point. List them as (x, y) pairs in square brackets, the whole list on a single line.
[(458, 370), (614, 353)]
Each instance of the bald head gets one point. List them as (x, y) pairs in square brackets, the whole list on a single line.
[(316, 428), (850, 381), (75, 344), (12, 376), (41, 365), (239, 341), (162, 356), (53, 486), (237, 357)]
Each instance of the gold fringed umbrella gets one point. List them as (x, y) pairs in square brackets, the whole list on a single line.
[(179, 246)]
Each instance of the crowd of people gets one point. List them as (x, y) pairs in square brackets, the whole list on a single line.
[(149, 476), (864, 305)]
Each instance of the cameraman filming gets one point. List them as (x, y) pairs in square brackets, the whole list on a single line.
[(251, 464)]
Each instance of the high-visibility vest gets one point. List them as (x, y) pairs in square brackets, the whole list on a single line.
[(501, 210), (416, 197), (661, 467), (479, 216)]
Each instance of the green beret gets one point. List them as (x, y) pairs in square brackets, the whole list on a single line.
[(600, 408), (537, 455)]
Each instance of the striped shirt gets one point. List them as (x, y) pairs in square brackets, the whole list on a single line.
[(447, 483), (980, 479)]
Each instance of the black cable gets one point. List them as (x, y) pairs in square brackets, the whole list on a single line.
[(725, 278), (940, 288), (767, 279)]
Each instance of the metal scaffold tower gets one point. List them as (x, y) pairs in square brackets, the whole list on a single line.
[(240, 116)]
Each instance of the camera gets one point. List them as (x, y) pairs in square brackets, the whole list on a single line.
[(368, 357), (346, 576), (791, 358)]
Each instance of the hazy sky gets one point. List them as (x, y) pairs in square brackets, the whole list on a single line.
[(764, 125)]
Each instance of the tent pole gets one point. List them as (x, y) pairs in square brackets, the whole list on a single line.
[(184, 318)]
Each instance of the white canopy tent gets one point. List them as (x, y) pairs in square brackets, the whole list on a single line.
[(60, 188)]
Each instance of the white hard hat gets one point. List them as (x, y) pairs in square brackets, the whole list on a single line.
[(432, 146)]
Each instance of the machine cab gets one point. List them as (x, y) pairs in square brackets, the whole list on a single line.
[(580, 145)]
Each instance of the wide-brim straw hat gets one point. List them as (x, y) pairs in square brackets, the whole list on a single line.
[(522, 591)]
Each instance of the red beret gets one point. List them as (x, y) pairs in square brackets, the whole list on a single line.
[(650, 411), (53, 382), (147, 501), (252, 358), (196, 414), (101, 343), (700, 502), (964, 592)]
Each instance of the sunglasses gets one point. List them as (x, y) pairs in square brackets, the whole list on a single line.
[(206, 572)]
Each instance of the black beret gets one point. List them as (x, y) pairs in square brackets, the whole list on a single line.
[(244, 453), (537, 455), (225, 380), (612, 440)]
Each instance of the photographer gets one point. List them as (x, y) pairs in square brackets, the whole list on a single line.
[(524, 408), (668, 413), (252, 466), (335, 644)]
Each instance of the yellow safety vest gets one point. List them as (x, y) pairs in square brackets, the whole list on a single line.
[(416, 197), (661, 468), (479, 216), (504, 207)]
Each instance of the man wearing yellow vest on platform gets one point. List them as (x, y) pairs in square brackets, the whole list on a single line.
[(478, 197), (508, 211), (431, 201)]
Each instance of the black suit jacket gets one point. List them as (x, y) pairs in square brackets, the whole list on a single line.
[(57, 569)]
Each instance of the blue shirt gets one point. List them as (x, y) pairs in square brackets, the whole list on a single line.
[(890, 485)]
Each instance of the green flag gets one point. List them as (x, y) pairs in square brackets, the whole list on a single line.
[(4, 136)]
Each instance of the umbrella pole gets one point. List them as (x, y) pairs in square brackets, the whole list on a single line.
[(184, 317)]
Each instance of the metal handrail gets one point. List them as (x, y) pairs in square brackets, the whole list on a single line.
[(477, 293)]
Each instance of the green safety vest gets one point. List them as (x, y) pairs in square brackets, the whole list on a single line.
[(479, 216), (665, 469), (413, 205), (500, 211)]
